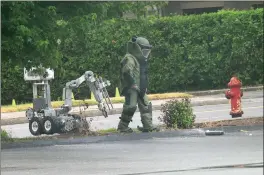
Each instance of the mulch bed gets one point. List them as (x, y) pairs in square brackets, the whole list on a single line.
[(235, 122)]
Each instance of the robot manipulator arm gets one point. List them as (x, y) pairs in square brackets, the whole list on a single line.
[(96, 85), (67, 92), (98, 88)]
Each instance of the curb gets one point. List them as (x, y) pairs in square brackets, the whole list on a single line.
[(95, 113), (222, 91), (127, 137), (107, 138)]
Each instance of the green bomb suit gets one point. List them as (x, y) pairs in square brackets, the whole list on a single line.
[(134, 83)]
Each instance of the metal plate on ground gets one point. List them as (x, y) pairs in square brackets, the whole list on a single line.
[(214, 133)]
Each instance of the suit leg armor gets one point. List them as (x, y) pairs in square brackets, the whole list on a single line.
[(145, 108), (129, 108)]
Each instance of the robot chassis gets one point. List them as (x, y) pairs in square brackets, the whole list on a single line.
[(43, 119)]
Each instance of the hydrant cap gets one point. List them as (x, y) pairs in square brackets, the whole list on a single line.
[(234, 82)]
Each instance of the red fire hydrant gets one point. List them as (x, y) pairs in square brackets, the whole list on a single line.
[(235, 93)]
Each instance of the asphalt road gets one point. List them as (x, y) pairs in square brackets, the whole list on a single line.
[(220, 155), (251, 107)]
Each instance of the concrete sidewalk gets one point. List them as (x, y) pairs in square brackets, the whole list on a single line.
[(222, 91), (92, 111)]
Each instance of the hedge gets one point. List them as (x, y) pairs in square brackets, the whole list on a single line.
[(194, 52)]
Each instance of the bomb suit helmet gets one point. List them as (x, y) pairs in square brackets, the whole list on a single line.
[(144, 45), (139, 47)]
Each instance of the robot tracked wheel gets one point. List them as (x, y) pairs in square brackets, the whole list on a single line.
[(43, 119)]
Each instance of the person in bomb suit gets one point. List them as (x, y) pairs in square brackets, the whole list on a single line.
[(134, 84)]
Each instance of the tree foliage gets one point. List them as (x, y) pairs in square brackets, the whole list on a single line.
[(29, 34), (31, 31), (54, 34)]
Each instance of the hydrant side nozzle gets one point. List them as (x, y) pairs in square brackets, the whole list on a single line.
[(227, 95)]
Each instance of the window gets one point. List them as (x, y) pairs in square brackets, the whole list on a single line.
[(201, 10), (255, 6)]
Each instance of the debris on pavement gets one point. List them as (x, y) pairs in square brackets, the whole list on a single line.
[(214, 133)]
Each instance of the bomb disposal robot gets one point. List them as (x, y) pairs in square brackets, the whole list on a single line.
[(43, 119)]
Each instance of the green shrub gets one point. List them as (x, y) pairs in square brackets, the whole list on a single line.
[(177, 114), (5, 136)]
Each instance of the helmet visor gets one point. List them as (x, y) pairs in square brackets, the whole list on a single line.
[(146, 52)]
